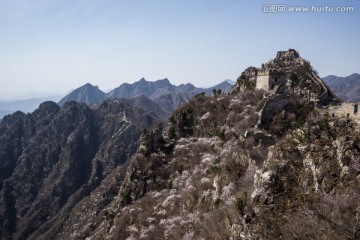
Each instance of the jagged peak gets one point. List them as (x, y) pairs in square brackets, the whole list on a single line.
[(165, 80), (286, 61), (289, 54), (143, 80)]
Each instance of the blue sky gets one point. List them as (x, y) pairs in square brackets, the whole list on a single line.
[(54, 46)]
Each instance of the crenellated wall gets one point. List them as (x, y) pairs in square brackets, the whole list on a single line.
[(348, 110)]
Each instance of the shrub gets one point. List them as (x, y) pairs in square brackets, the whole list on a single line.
[(240, 203), (217, 202), (179, 168)]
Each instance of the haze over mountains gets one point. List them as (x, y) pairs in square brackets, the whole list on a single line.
[(159, 96), (346, 88)]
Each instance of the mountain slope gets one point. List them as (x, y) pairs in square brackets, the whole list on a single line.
[(87, 93), (170, 102), (346, 88), (149, 106), (56, 156)]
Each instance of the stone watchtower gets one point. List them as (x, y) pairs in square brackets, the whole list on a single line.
[(267, 79)]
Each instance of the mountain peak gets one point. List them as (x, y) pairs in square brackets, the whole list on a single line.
[(88, 85), (229, 81), (87, 94), (286, 62), (287, 74), (289, 54)]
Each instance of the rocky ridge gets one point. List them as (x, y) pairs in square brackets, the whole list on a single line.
[(54, 157)]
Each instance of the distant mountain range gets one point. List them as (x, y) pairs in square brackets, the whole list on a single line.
[(160, 97), (346, 88)]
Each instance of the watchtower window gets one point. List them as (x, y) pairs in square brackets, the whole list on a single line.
[(276, 79), (355, 109)]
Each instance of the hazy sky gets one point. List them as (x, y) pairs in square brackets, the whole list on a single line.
[(54, 46)]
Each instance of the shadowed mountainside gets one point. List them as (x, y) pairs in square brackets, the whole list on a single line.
[(54, 157)]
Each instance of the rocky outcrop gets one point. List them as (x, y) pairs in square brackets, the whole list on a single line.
[(309, 181), (287, 101)]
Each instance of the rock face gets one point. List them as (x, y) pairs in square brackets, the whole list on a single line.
[(54, 157), (346, 88)]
